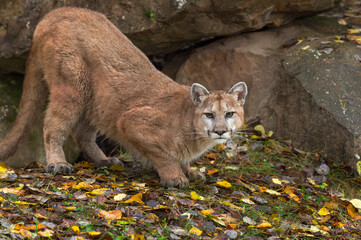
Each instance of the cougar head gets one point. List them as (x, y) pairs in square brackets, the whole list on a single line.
[(218, 114)]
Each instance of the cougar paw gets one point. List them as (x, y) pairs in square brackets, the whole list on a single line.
[(179, 181), (59, 167), (196, 175), (108, 162)]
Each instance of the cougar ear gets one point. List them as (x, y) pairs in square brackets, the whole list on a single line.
[(198, 93), (240, 90)]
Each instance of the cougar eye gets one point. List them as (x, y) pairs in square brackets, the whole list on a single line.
[(229, 114), (209, 115)]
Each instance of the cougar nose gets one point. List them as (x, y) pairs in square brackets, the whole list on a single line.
[(220, 133)]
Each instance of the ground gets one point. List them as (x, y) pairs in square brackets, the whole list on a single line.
[(256, 188)]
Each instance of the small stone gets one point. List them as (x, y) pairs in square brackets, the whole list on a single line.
[(319, 179), (214, 189), (323, 169), (242, 149), (152, 203), (327, 50), (231, 234)]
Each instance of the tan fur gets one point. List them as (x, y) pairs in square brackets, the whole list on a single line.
[(100, 82)]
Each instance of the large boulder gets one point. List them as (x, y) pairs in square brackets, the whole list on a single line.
[(309, 92), (156, 27)]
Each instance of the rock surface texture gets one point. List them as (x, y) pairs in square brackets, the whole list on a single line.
[(156, 27), (309, 92)]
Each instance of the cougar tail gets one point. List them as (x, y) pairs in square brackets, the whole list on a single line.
[(30, 108)]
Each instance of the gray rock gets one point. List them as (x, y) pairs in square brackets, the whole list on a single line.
[(231, 234), (298, 92), (156, 27)]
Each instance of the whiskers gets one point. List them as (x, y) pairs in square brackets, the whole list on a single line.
[(239, 134)]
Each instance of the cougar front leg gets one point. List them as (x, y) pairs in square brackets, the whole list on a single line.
[(85, 138)]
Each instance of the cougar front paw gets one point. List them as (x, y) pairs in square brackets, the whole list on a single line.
[(59, 167), (176, 181), (108, 162), (195, 175)]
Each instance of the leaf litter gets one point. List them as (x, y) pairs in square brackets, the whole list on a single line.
[(266, 191)]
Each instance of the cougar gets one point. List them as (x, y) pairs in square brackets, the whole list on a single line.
[(97, 81)]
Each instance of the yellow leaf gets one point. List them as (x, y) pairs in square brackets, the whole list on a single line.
[(10, 190), (356, 203), (94, 233), (292, 195), (247, 200), (117, 167), (111, 215), (3, 169), (323, 212), (84, 165), (260, 128), (264, 225), (352, 212), (358, 166), (214, 170), (137, 237), (306, 47), (25, 233), (75, 229), (207, 211), (342, 22), (269, 134), (226, 203), (195, 231), (254, 137), (83, 185), (224, 184), (276, 181), (70, 208), (211, 155), (135, 198), (100, 191), (272, 192), (221, 147), (194, 196), (24, 203), (354, 30)]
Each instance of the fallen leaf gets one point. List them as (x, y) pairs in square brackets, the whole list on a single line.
[(135, 198), (117, 167), (83, 185), (264, 225), (94, 233), (110, 215), (25, 233), (75, 229), (323, 212), (356, 203), (214, 170), (342, 22), (120, 196), (291, 194), (195, 231), (260, 129), (224, 184), (194, 196)]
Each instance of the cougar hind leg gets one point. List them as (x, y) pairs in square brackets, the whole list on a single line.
[(62, 114), (84, 135)]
